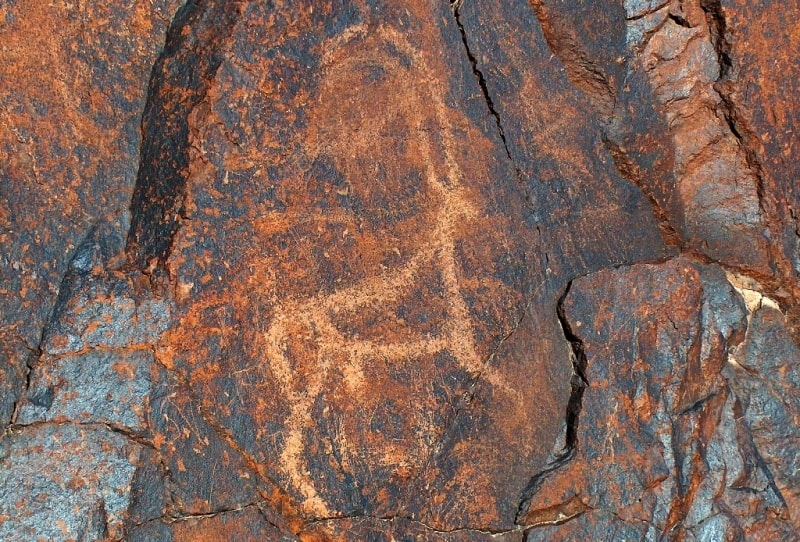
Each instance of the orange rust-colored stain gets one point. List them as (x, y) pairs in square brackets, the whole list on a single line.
[(394, 295)]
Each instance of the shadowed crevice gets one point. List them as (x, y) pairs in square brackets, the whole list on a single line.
[(179, 82), (456, 6), (578, 385), (718, 32), (578, 382)]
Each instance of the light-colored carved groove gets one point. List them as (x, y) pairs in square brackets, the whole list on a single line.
[(452, 207)]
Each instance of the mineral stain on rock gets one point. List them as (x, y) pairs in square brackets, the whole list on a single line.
[(330, 298), (496, 270)]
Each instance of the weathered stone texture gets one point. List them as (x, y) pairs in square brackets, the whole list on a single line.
[(72, 87), (321, 253), (482, 270), (62, 482), (663, 450)]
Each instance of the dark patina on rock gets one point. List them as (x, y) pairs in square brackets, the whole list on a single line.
[(356, 264), (494, 270)]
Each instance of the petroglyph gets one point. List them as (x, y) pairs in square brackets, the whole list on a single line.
[(307, 327)]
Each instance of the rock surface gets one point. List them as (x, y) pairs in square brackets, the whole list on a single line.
[(665, 447), (72, 89), (495, 270)]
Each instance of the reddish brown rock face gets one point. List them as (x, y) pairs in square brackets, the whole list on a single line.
[(360, 307), (373, 280), (663, 447), (761, 84), (72, 88), (498, 270)]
